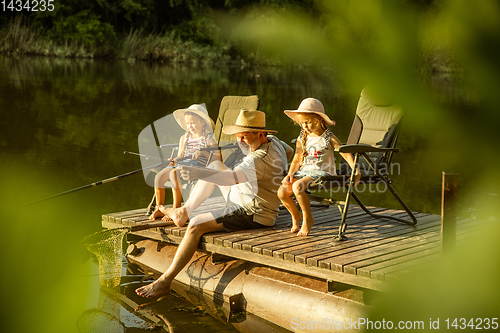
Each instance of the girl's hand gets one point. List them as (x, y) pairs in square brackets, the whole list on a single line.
[(199, 154), (173, 161)]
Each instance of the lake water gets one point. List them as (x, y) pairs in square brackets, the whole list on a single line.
[(66, 123)]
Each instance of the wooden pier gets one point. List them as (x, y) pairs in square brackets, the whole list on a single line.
[(377, 251)]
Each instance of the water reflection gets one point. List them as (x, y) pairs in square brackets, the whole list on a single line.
[(118, 310)]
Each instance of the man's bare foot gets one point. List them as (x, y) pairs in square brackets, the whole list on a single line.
[(154, 289), (296, 223), (167, 218), (156, 214), (178, 215), (306, 228)]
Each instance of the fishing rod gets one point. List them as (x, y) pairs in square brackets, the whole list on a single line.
[(141, 155), (108, 180), (210, 149)]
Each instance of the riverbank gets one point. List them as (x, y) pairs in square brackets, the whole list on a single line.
[(17, 38)]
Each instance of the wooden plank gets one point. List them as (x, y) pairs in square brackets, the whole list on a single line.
[(408, 244), (158, 236), (325, 251), (321, 238), (246, 238), (366, 227), (118, 218), (282, 222), (394, 265), (372, 229), (239, 238), (396, 248), (342, 248), (322, 229), (323, 222), (364, 267), (398, 271), (391, 245), (228, 239), (381, 274), (369, 243)]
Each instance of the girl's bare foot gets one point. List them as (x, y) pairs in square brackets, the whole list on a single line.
[(154, 289), (296, 223), (306, 228), (178, 215), (156, 214)]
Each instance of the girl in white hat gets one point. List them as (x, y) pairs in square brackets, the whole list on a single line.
[(313, 159), (199, 134)]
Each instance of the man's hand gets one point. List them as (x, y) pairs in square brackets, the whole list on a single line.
[(287, 180), (188, 173)]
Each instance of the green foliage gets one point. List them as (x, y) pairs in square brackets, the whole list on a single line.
[(84, 28), (196, 28)]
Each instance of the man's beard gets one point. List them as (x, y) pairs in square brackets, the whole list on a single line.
[(245, 148)]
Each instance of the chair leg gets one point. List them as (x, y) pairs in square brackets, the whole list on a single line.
[(394, 193), (403, 204), (343, 225), (151, 206)]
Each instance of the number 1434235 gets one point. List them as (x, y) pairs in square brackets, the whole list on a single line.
[(27, 5)]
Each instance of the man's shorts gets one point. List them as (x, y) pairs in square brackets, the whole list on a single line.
[(234, 217)]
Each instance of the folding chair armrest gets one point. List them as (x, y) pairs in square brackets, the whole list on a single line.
[(228, 146), (171, 145), (364, 148)]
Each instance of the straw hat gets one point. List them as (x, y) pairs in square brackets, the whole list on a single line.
[(248, 121), (197, 109), (311, 105)]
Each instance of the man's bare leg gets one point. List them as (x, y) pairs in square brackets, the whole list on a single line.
[(200, 225), (200, 192)]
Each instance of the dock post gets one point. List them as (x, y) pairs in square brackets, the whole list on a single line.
[(449, 212)]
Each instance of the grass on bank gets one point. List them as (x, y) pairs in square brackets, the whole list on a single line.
[(17, 38)]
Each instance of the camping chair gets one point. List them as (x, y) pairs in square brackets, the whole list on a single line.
[(229, 110), (374, 134)]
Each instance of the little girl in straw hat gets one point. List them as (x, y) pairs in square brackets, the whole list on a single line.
[(313, 159), (199, 134)]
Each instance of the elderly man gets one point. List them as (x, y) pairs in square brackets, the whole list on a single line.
[(250, 190)]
